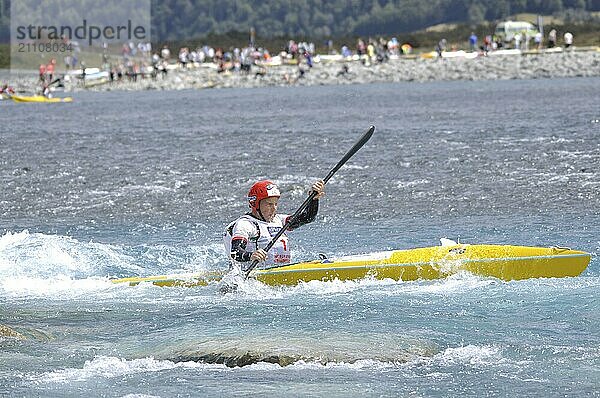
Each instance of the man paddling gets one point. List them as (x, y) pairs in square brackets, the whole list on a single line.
[(245, 237)]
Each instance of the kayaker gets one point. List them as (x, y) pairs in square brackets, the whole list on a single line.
[(46, 90), (42, 73), (7, 90), (50, 70), (245, 236)]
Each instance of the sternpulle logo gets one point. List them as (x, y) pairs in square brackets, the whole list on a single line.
[(84, 31)]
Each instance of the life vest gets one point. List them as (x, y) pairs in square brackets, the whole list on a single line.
[(258, 235)]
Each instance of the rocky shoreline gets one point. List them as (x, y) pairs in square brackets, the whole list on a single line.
[(404, 69)]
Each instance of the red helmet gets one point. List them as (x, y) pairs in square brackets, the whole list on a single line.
[(262, 190)]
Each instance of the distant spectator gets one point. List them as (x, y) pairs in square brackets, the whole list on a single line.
[(361, 47), (518, 39), (473, 41), (497, 42), (393, 46), (309, 59), (67, 60), (441, 47), (165, 53), (487, 44), (568, 39), (371, 52), (330, 49), (346, 52), (183, 57), (552, 38), (538, 40), (526, 38)]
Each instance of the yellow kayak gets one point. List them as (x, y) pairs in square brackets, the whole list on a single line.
[(499, 261), (39, 98)]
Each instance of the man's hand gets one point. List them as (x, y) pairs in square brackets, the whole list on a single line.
[(319, 188), (259, 255)]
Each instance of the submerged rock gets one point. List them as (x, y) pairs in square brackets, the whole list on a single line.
[(287, 350), (5, 331), (232, 361)]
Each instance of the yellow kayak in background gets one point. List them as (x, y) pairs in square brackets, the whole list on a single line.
[(39, 98), (504, 262)]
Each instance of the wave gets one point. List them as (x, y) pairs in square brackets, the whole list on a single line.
[(109, 367), (115, 367), (42, 255), (47, 263), (50, 256), (469, 354)]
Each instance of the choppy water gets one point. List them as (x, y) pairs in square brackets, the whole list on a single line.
[(123, 184)]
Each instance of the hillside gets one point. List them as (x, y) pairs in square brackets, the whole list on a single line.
[(176, 19), (184, 19)]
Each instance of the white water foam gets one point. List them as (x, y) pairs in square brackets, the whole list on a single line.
[(112, 367), (109, 367), (356, 167), (456, 284), (412, 183), (60, 287), (37, 264), (337, 286), (359, 365), (254, 290), (48, 256), (469, 355)]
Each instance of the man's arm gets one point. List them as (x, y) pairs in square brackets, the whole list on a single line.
[(238, 250), (307, 216), (310, 212)]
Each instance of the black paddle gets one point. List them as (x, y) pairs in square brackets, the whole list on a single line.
[(312, 195)]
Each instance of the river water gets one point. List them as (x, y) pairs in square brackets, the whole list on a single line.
[(123, 184)]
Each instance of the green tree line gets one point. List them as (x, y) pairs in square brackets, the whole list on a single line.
[(176, 19), (182, 19)]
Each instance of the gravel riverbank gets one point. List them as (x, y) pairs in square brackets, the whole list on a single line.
[(417, 68)]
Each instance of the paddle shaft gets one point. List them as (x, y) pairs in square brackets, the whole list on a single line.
[(359, 144)]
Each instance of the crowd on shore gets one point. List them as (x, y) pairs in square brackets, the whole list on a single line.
[(244, 60), (139, 67)]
